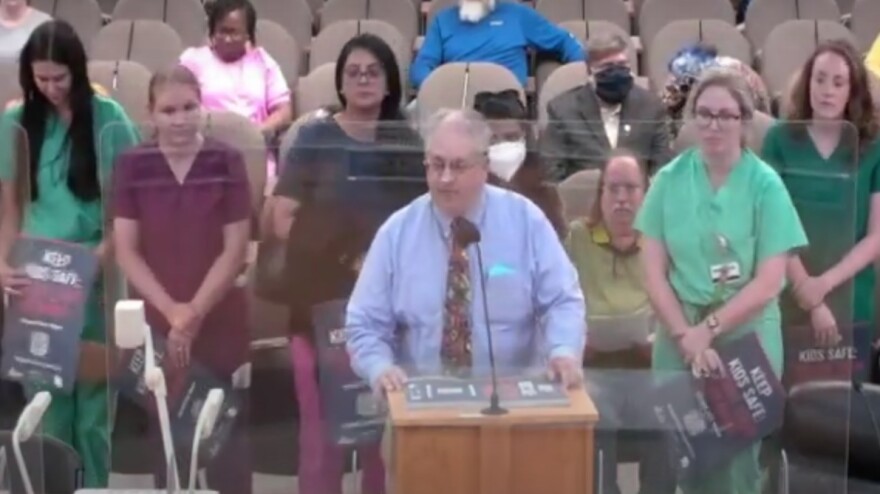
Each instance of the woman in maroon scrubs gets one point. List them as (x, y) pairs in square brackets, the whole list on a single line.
[(181, 208)]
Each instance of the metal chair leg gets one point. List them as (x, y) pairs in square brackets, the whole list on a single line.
[(601, 473)]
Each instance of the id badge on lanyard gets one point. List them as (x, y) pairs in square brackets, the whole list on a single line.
[(725, 271)]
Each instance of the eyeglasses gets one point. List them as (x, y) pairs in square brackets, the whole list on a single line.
[(705, 118), (371, 73), (437, 166)]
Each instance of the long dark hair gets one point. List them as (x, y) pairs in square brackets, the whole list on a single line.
[(859, 111), (56, 41), (390, 111), (506, 105)]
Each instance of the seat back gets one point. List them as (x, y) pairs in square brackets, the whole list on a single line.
[(187, 17), (570, 75), (293, 15), (84, 15), (52, 464), (240, 133), (559, 11), (127, 82), (830, 420), (578, 192), (401, 14), (655, 14), (677, 34), (763, 16), (865, 23), (329, 42), (454, 85), (317, 89), (9, 88), (149, 42), (281, 46), (789, 46)]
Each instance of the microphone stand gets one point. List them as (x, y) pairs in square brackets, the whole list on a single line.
[(494, 408)]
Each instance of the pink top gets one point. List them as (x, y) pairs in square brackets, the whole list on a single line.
[(251, 86)]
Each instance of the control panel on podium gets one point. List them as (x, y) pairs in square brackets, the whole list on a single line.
[(453, 435)]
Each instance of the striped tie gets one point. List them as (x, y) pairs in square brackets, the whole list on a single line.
[(456, 350)]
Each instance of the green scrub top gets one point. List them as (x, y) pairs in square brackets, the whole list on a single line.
[(749, 219), (829, 202), (57, 213)]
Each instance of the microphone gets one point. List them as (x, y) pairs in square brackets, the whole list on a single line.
[(27, 424), (131, 332), (465, 233), (204, 427)]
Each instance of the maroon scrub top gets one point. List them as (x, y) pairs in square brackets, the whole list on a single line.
[(181, 235)]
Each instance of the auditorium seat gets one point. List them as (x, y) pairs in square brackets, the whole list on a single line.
[(613, 11), (84, 15), (678, 34), (655, 14), (317, 89), (578, 192), (187, 17), (789, 46), (293, 15), (9, 88), (454, 85), (399, 13), (582, 30), (763, 16), (283, 48), (240, 133), (329, 42), (151, 43), (559, 81), (865, 23), (127, 82)]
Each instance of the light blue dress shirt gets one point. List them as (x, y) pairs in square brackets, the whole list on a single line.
[(536, 307)]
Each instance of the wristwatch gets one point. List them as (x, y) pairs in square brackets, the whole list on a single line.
[(714, 325)]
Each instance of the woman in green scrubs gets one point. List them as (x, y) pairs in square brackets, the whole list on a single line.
[(718, 229), (828, 155), (54, 190)]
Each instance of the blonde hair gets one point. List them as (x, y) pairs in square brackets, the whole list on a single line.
[(734, 83)]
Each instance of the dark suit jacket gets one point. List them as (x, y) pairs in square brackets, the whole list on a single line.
[(575, 137)]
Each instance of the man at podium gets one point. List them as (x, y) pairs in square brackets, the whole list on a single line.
[(417, 306)]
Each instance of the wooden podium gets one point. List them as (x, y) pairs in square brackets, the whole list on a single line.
[(527, 451)]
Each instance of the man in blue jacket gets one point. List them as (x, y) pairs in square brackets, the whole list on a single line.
[(491, 31)]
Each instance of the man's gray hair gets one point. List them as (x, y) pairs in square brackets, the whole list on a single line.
[(470, 122), (603, 45)]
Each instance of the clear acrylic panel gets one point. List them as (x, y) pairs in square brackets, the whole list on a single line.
[(280, 334)]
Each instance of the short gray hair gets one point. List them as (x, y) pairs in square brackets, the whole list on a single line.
[(470, 122), (604, 45)]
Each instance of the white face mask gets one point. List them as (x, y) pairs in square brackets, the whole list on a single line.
[(505, 158), (474, 10)]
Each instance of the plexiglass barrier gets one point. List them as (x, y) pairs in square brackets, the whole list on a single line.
[(289, 302)]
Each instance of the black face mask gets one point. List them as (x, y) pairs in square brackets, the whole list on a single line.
[(613, 84)]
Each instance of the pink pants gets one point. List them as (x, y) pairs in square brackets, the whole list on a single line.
[(321, 461)]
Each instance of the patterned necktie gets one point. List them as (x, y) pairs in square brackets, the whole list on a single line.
[(456, 350)]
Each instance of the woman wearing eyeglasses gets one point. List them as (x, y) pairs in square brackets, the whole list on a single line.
[(718, 229), (339, 183)]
